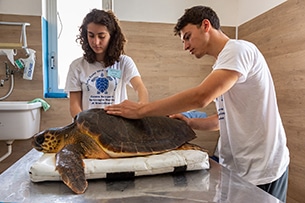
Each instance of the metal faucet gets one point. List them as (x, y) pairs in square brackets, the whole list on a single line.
[(7, 74)]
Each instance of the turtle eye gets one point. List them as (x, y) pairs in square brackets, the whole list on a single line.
[(39, 139)]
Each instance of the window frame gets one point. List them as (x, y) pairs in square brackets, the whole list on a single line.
[(50, 48), (50, 51)]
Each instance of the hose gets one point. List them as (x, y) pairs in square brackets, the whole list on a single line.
[(11, 88)]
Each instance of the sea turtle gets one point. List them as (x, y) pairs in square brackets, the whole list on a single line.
[(96, 134)]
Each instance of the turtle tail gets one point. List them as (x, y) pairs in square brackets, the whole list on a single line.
[(70, 165)]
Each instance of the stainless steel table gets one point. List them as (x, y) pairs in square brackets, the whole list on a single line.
[(217, 184)]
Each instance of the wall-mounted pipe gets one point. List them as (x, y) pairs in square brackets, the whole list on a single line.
[(9, 144)]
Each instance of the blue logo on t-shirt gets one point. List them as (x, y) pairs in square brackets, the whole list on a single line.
[(102, 84), (102, 88)]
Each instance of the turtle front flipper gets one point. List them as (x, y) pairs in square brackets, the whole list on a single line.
[(70, 165)]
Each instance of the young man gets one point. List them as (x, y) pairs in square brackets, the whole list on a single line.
[(252, 138)]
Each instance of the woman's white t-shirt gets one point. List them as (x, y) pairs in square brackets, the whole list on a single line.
[(101, 86), (252, 138)]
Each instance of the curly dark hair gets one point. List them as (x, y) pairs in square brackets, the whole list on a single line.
[(195, 16), (117, 38)]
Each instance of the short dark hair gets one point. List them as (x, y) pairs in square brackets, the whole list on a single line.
[(195, 16), (117, 38)]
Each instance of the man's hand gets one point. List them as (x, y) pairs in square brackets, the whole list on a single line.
[(127, 109), (180, 117)]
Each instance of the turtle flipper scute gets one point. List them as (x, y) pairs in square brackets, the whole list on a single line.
[(70, 166)]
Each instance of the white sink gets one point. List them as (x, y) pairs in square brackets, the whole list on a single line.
[(19, 119)]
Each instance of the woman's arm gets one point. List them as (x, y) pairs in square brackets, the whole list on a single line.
[(140, 88), (75, 103)]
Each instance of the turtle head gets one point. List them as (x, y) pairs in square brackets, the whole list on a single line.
[(49, 141)]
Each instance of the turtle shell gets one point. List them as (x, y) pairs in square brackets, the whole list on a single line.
[(148, 135)]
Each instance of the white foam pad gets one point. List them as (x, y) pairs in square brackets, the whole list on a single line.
[(176, 160)]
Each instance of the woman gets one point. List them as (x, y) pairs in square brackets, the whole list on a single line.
[(99, 78)]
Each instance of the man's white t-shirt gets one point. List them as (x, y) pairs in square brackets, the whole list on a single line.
[(101, 86), (252, 138)]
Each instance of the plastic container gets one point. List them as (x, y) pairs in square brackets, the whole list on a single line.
[(27, 64), (19, 120)]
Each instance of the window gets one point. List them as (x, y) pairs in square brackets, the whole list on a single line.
[(60, 28)]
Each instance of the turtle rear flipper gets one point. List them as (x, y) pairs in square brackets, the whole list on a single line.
[(70, 166)]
